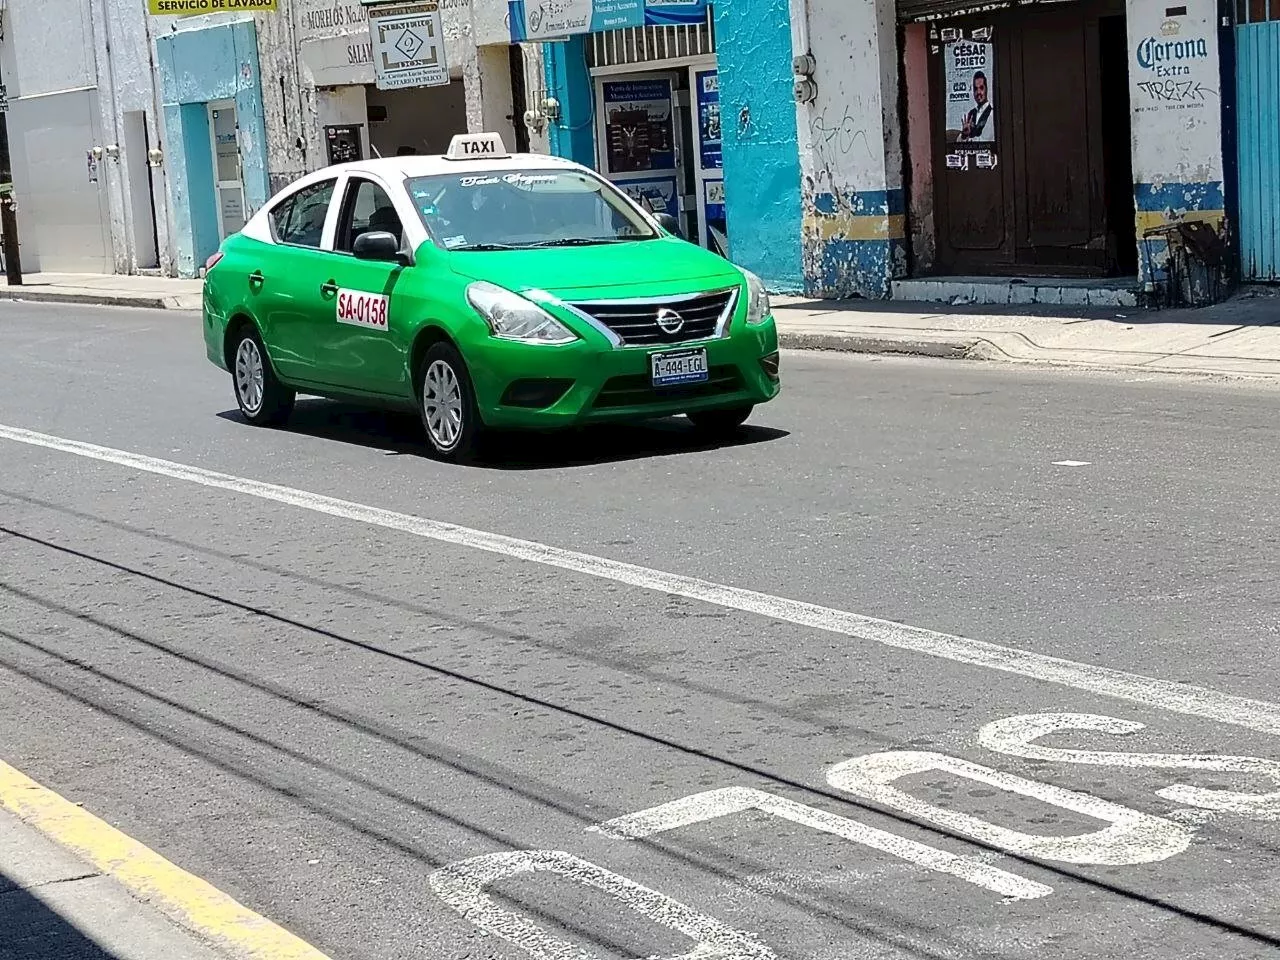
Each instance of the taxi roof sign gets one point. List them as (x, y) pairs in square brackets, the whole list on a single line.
[(476, 146)]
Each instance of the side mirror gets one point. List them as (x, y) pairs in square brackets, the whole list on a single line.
[(670, 224), (377, 245)]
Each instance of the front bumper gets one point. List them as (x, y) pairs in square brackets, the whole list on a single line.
[(599, 384)]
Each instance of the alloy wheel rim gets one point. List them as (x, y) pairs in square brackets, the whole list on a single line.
[(442, 405), (250, 375)]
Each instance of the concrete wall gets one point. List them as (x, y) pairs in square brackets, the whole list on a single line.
[(200, 61), (48, 64), (850, 151), (761, 164), (1177, 121)]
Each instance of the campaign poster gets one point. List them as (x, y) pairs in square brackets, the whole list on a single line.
[(639, 133), (969, 101), (710, 147)]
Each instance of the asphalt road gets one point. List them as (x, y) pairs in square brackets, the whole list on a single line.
[(388, 736)]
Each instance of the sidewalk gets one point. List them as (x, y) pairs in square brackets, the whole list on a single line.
[(161, 293), (54, 905), (1238, 338)]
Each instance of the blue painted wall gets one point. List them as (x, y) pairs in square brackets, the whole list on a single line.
[(569, 81), (197, 66), (761, 149)]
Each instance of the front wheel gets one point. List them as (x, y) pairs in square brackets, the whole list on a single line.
[(264, 401), (448, 404), (722, 422)]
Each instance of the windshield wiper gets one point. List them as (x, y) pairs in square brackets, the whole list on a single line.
[(483, 247), (578, 242)]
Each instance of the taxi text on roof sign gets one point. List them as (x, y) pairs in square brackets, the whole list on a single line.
[(191, 8), (476, 146)]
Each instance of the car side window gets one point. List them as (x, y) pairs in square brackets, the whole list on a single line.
[(302, 224), (368, 209)]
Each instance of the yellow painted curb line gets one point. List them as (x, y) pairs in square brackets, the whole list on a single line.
[(185, 899)]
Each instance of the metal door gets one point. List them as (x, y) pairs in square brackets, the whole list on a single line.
[(1258, 137), (224, 131)]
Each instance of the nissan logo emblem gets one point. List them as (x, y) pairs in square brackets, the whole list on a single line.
[(669, 321)]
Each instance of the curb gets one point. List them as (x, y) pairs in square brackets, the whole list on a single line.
[(37, 295), (942, 348)]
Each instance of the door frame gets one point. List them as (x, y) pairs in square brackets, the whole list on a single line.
[(702, 177), (218, 184)]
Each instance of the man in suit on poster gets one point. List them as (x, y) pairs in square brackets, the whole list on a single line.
[(977, 119)]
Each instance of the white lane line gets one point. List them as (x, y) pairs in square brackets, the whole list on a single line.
[(1260, 715)]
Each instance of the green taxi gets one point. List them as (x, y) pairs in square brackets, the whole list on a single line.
[(485, 290)]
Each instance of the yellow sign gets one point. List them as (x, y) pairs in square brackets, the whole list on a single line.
[(192, 8)]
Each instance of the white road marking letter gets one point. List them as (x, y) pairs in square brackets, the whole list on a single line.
[(1016, 736), (463, 886), (1132, 837), (702, 807)]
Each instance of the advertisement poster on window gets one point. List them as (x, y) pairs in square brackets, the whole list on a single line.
[(717, 239), (639, 135), (653, 193), (970, 100), (708, 84)]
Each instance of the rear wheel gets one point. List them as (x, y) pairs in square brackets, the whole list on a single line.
[(447, 402), (264, 401), (719, 423)]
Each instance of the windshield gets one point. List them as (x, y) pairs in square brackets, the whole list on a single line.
[(523, 209)]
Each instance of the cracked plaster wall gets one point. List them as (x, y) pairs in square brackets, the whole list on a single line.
[(1174, 90), (850, 152), (761, 163)]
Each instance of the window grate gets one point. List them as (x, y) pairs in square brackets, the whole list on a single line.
[(616, 48)]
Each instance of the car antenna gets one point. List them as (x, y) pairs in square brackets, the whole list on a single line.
[(376, 152)]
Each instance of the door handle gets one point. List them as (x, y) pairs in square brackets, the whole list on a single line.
[(256, 279), (328, 289)]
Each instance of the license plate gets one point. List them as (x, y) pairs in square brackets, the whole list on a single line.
[(684, 366)]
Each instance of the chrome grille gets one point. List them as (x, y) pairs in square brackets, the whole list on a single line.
[(635, 322)]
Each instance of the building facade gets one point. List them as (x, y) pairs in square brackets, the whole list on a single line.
[(139, 142), (690, 111), (867, 143), (837, 149)]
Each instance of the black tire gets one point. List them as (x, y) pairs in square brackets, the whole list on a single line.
[(455, 434), (268, 405), (720, 423)]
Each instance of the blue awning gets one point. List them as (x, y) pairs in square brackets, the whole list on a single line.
[(529, 22)]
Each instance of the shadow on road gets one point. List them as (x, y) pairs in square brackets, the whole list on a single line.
[(401, 434), (32, 930)]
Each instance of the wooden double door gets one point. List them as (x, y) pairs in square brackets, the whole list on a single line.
[(1031, 135)]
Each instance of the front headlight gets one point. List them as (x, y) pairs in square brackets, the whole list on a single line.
[(512, 317), (758, 306)]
